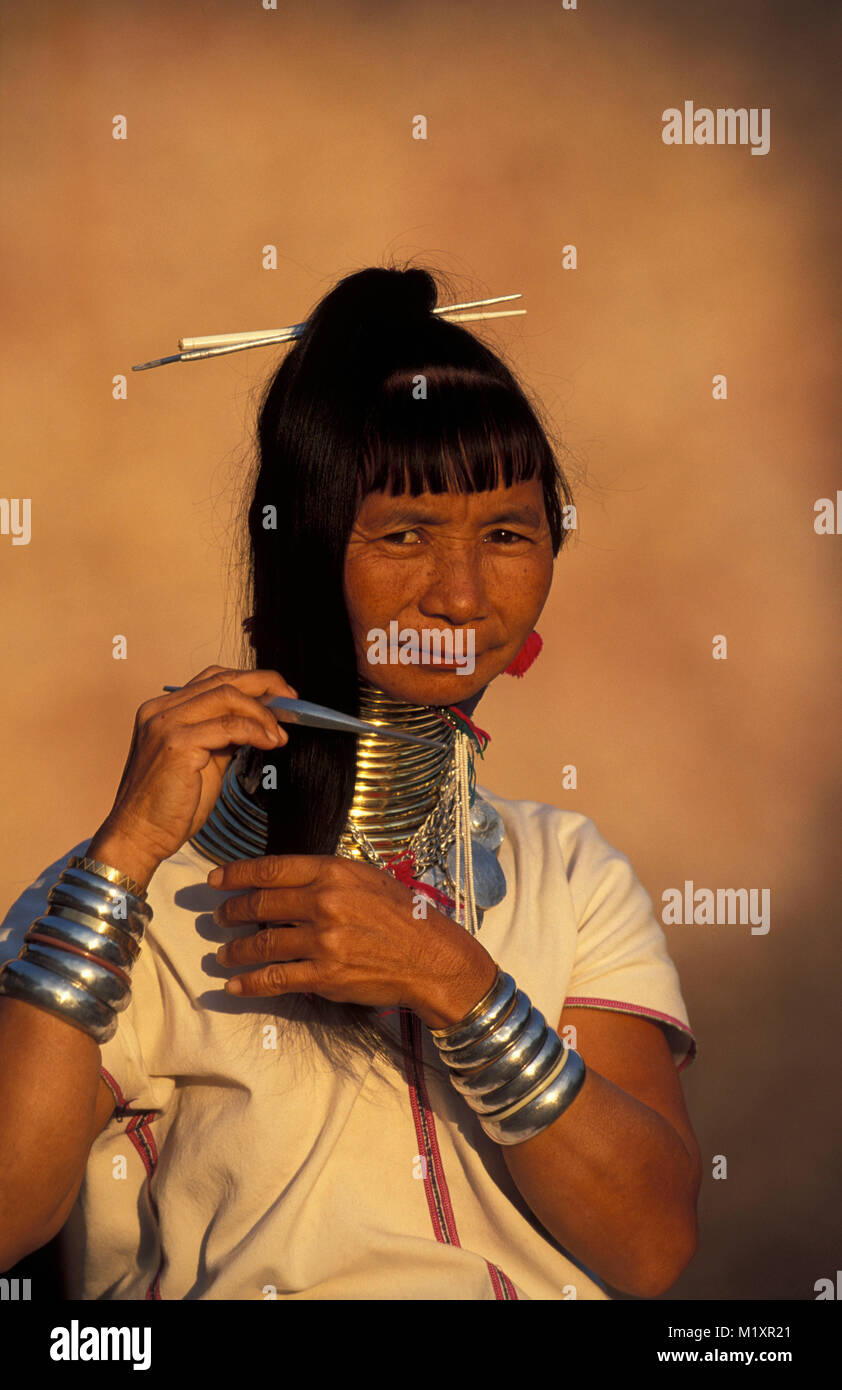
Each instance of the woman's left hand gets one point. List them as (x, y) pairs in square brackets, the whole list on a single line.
[(349, 934)]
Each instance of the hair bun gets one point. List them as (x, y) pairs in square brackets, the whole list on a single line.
[(378, 296), (397, 293)]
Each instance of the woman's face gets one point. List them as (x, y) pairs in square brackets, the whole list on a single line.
[(476, 565)]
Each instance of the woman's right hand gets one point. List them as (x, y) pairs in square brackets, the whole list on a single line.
[(181, 746)]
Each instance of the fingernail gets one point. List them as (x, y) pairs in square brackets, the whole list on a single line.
[(234, 987), (215, 877)]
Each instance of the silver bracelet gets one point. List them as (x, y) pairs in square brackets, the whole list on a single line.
[(107, 888), (21, 979), (76, 959), (484, 1016), (102, 981), (492, 1043), (84, 899), (536, 1113), (91, 933), (519, 1087), (115, 876), (506, 1069), (83, 878), (511, 1068)]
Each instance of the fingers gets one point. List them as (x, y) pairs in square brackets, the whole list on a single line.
[(256, 683), (272, 944), (300, 904), (260, 685), (224, 705), (270, 870), (230, 731), (299, 977), (340, 933), (209, 671), (286, 955), (274, 683), (300, 888)]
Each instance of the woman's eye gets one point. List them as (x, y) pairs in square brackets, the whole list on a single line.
[(505, 537), (500, 536), (397, 536)]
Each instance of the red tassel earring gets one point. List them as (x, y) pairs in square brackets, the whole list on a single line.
[(525, 656)]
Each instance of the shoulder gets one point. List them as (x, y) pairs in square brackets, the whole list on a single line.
[(538, 825), (561, 857)]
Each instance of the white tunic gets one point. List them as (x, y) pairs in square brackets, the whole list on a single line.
[(240, 1164)]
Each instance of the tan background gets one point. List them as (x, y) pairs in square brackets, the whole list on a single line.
[(248, 127)]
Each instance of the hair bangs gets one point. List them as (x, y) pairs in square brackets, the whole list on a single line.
[(450, 430)]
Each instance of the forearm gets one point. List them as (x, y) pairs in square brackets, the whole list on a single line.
[(49, 1090), (612, 1181), (49, 1076)]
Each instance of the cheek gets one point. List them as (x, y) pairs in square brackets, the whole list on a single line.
[(544, 580), (369, 591), (526, 586)]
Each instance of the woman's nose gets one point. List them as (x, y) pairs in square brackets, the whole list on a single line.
[(456, 592)]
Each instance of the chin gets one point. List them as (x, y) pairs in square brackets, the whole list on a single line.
[(430, 685)]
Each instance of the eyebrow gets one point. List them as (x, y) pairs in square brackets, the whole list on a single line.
[(411, 516)]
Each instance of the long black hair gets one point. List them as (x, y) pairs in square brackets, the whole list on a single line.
[(379, 394)]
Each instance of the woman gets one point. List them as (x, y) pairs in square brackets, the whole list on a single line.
[(389, 937)]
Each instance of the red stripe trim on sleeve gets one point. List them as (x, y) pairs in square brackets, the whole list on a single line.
[(617, 1006)]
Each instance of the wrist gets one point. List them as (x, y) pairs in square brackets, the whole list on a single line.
[(455, 994), (118, 851)]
